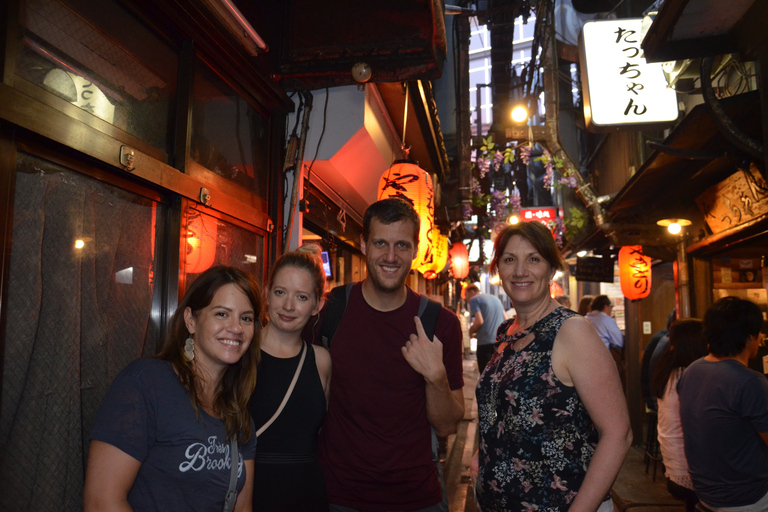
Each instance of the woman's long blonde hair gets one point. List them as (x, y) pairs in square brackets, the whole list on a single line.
[(239, 380)]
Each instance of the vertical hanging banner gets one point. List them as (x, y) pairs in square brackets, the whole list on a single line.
[(634, 272), (621, 90)]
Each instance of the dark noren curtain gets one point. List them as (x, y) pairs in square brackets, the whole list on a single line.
[(75, 316)]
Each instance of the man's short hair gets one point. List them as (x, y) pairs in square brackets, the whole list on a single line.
[(389, 211), (728, 323), (599, 303), (564, 300), (472, 288)]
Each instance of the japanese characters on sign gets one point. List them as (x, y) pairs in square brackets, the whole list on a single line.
[(620, 87), (543, 215), (740, 197)]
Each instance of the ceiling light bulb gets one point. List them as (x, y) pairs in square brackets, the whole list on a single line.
[(361, 72), (674, 226), (581, 254)]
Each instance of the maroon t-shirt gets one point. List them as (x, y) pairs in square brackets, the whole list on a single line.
[(375, 445)]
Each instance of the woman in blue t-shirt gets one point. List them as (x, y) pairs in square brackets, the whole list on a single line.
[(161, 441)]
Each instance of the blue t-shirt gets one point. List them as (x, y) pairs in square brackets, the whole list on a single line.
[(185, 462), (606, 328), (493, 314), (723, 407)]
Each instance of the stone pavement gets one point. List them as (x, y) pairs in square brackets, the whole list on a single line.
[(634, 489)]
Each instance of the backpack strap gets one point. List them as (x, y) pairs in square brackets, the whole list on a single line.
[(338, 297), (334, 310), (429, 310)]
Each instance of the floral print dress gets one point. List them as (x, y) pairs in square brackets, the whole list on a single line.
[(536, 437)]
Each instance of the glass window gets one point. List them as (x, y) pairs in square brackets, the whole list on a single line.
[(209, 241), (102, 60), (229, 137), (479, 76), (81, 289), (525, 30)]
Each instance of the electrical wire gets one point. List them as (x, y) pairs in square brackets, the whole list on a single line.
[(322, 132)]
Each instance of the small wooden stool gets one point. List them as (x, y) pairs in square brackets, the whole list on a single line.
[(652, 452)]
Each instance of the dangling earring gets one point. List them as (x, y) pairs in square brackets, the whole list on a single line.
[(189, 349)]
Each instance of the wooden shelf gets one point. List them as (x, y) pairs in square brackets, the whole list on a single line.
[(738, 286)]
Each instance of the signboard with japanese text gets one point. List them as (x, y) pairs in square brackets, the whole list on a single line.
[(543, 215), (594, 269), (622, 90), (739, 198)]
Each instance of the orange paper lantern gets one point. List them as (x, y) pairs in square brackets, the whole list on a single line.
[(406, 180), (634, 272), (439, 255), (201, 242), (459, 260)]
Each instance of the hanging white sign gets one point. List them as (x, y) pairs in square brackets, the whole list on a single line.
[(621, 89)]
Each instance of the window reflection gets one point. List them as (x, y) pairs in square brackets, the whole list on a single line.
[(229, 137), (97, 57), (208, 240)]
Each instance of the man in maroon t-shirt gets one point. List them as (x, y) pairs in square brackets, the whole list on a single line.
[(389, 382)]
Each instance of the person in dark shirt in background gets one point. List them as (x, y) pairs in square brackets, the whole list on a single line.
[(645, 368), (724, 411)]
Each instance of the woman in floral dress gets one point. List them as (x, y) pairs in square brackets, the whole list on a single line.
[(553, 421)]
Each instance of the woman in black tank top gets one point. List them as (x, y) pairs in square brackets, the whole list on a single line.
[(288, 476)]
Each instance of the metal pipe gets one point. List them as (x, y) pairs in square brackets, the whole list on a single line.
[(298, 168), (729, 130), (683, 285)]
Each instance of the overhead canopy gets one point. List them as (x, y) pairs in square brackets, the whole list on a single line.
[(686, 29), (315, 44), (694, 157)]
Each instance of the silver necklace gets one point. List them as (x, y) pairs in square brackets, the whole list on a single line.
[(496, 383)]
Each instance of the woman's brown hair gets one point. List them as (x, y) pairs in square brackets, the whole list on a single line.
[(538, 235)]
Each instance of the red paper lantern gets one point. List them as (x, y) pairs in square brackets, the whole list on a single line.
[(634, 272), (408, 181), (459, 260), (202, 233)]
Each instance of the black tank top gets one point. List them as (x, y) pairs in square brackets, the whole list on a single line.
[(295, 430), (288, 476)]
